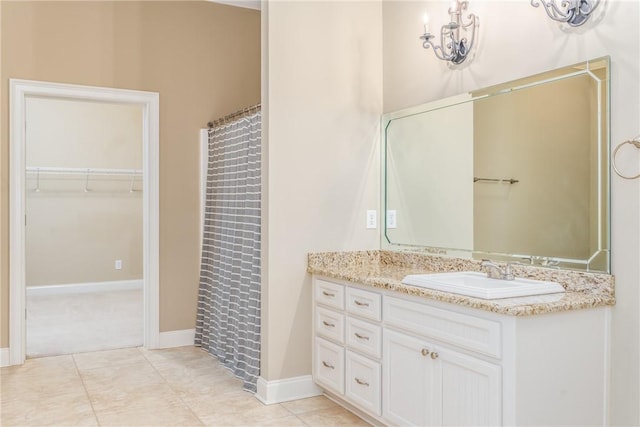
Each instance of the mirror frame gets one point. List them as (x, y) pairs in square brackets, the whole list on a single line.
[(604, 166)]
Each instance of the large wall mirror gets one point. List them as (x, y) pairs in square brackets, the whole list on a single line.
[(518, 171)]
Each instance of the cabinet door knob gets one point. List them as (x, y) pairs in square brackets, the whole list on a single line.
[(361, 382), (328, 294), (362, 337), (425, 352), (434, 355), (325, 323), (361, 304), (328, 365)]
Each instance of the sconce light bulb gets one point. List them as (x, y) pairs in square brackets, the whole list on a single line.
[(425, 20)]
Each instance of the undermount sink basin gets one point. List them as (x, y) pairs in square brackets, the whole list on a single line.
[(474, 284)]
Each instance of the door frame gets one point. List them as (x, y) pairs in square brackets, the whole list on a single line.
[(150, 103)]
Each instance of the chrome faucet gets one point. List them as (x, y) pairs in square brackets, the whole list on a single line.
[(494, 271)]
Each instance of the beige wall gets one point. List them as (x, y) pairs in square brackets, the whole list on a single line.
[(517, 40), (322, 131), (204, 60), (75, 236), (524, 135)]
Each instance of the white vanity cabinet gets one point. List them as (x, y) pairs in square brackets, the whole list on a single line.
[(429, 384), (348, 344), (412, 361)]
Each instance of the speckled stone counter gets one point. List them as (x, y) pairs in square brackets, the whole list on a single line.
[(386, 269)]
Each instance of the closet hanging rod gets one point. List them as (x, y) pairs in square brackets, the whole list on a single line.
[(83, 171)]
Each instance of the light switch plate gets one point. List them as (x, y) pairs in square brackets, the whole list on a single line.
[(372, 219), (392, 221)]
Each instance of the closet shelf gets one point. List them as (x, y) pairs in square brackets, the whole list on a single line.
[(82, 171)]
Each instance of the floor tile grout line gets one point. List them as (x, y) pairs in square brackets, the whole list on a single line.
[(189, 406), (297, 415), (202, 423), (301, 420), (86, 391), (238, 377), (147, 362)]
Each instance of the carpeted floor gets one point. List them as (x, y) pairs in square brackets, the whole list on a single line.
[(78, 323)]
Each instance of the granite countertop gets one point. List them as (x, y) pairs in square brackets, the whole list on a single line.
[(386, 269)]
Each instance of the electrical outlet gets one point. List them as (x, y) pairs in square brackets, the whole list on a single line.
[(372, 219), (118, 264), (392, 219)]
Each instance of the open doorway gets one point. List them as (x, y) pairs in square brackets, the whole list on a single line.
[(84, 246), (99, 178)]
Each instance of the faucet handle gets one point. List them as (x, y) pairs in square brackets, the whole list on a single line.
[(508, 273), (493, 270)]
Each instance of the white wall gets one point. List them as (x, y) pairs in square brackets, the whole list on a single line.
[(516, 40), (321, 136), (417, 149)]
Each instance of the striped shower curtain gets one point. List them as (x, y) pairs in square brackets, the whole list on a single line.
[(228, 319)]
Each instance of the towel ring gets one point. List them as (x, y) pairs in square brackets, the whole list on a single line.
[(636, 143)]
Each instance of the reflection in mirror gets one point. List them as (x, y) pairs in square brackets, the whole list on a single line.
[(518, 171)]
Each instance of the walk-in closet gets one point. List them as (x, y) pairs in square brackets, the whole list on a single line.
[(84, 217)]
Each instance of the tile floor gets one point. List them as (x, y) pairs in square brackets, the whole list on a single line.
[(182, 386), (81, 322)]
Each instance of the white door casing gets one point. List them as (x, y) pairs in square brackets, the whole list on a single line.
[(149, 101)]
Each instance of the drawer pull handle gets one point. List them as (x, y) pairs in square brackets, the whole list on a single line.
[(328, 294), (325, 323), (361, 304), (327, 365), (434, 355), (362, 337), (424, 352), (361, 382)]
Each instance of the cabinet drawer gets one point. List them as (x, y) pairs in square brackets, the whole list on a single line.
[(363, 382), (364, 303), (364, 336), (330, 324), (470, 332), (329, 293), (329, 365)]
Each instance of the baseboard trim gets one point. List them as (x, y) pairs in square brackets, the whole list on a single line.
[(5, 357), (178, 338), (81, 288), (278, 391)]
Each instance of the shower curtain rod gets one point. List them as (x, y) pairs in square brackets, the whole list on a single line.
[(234, 116)]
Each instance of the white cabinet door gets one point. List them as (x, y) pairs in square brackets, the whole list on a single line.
[(469, 390), (329, 365), (362, 382), (408, 380)]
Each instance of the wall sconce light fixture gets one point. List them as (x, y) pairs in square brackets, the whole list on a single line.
[(454, 47), (573, 12)]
